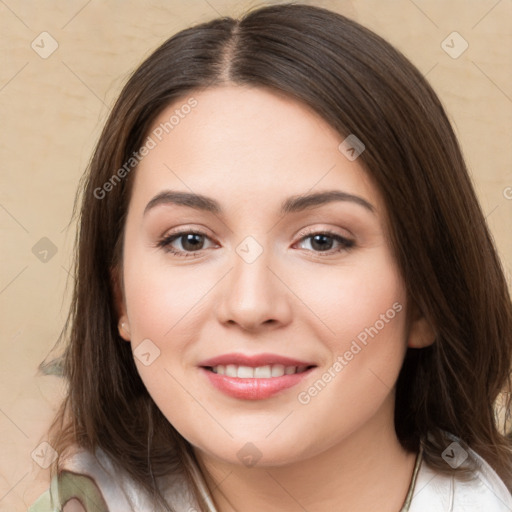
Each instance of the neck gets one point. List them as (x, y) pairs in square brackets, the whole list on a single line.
[(368, 470)]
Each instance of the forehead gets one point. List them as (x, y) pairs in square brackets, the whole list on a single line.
[(245, 145)]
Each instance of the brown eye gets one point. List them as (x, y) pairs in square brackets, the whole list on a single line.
[(324, 241), (188, 243)]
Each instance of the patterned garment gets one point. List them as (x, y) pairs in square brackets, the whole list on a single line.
[(91, 484)]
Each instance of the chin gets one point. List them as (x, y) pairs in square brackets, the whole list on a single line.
[(256, 451)]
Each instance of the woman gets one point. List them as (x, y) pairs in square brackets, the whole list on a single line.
[(286, 296)]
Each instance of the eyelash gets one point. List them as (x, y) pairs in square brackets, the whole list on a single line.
[(165, 243)]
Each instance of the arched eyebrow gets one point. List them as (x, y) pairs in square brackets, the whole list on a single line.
[(290, 205)]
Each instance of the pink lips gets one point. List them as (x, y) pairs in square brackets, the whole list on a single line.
[(253, 388)]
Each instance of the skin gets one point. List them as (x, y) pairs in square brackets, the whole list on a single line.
[(250, 149)]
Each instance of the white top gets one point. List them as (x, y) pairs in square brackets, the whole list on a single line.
[(438, 492), (433, 492)]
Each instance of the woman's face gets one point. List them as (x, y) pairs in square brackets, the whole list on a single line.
[(278, 330)]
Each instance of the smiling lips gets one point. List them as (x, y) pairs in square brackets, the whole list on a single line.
[(254, 377)]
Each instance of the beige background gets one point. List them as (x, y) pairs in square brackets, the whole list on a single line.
[(51, 111)]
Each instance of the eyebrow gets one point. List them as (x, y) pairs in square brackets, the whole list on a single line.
[(290, 205)]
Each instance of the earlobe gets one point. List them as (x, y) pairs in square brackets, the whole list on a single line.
[(124, 328), (123, 325), (421, 333)]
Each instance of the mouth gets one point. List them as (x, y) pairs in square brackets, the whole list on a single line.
[(258, 372), (254, 377)]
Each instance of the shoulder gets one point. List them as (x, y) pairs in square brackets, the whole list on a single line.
[(441, 492), (99, 486)]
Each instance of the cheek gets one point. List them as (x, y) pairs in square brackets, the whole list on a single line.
[(161, 300), (361, 301), (371, 311), (163, 305), (363, 313), (366, 313)]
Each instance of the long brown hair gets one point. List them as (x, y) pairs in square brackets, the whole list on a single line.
[(360, 85)]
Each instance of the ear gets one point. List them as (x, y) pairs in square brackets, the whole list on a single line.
[(119, 303), (421, 332)]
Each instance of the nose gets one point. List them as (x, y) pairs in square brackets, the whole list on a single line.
[(254, 295)]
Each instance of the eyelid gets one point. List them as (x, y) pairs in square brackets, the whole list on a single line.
[(316, 230), (187, 228)]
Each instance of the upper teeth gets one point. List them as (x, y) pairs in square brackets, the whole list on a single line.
[(259, 372)]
